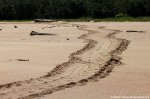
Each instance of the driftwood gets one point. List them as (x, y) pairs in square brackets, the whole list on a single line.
[(33, 33), (43, 20), (22, 59), (48, 27), (135, 31)]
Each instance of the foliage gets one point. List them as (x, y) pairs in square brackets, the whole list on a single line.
[(58, 9)]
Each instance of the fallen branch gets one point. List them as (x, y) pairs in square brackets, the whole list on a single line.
[(22, 59), (33, 33), (48, 27), (135, 31)]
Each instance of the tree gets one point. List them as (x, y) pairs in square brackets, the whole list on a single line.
[(31, 9)]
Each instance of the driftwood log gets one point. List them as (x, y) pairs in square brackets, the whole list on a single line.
[(22, 59), (135, 31), (48, 27), (33, 33), (44, 20)]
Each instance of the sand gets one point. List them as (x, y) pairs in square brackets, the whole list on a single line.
[(43, 52), (81, 61)]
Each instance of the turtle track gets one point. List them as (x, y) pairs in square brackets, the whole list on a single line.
[(54, 75)]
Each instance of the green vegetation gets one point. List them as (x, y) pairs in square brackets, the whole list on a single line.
[(98, 10), (85, 19), (114, 19)]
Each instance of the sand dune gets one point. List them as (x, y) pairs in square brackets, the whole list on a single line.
[(93, 49)]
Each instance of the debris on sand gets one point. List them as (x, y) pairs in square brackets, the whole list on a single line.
[(0, 28), (135, 31), (48, 27), (10, 60), (68, 39), (22, 59), (44, 20), (77, 26), (15, 26), (33, 33)]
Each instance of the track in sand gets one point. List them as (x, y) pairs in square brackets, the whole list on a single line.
[(94, 61)]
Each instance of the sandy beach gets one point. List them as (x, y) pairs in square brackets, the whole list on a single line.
[(81, 60)]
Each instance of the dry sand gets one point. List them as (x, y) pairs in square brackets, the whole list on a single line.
[(72, 63)]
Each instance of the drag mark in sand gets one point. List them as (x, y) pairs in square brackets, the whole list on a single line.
[(94, 61)]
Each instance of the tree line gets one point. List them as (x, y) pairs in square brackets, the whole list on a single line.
[(31, 9)]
